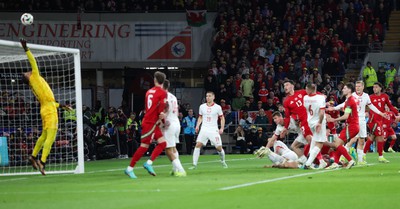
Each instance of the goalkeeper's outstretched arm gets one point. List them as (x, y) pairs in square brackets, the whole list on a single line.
[(31, 58)]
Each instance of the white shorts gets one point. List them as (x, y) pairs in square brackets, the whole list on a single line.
[(290, 156), (363, 129), (171, 135), (212, 135), (300, 138), (321, 136)]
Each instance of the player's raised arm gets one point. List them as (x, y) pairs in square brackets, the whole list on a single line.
[(31, 58), (391, 107)]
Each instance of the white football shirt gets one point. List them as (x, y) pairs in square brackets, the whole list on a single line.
[(293, 128), (313, 103), (210, 115), (280, 148), (362, 101), (172, 115)]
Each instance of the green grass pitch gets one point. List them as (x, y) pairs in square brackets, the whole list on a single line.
[(245, 184)]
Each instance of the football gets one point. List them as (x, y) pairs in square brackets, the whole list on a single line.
[(27, 19)]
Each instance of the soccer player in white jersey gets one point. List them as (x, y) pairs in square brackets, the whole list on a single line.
[(209, 113), (171, 129), (315, 106), (282, 157), (363, 100)]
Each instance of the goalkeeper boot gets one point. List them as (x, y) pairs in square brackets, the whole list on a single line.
[(41, 166), (149, 169), (391, 150), (131, 174), (33, 162), (258, 151), (381, 159)]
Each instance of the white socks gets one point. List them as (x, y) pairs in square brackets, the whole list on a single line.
[(302, 159), (222, 155), (177, 165), (313, 153), (360, 155), (196, 155)]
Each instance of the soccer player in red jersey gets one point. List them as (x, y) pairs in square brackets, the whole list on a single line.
[(155, 105), (333, 114), (352, 126), (388, 130), (294, 107), (379, 100)]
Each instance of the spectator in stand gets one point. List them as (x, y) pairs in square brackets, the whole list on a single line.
[(396, 85), (230, 90), (210, 82), (381, 75), (263, 93), (261, 119), (370, 77), (240, 137), (270, 106), (246, 107), (304, 78), (390, 74), (247, 86), (238, 102), (315, 77)]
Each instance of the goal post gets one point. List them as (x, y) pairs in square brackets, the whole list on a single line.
[(20, 121)]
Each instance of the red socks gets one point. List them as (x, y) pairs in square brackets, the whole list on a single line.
[(138, 154), (158, 150), (306, 149), (342, 151), (380, 145), (392, 143), (367, 146)]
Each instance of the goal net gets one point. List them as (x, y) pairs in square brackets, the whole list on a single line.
[(20, 121)]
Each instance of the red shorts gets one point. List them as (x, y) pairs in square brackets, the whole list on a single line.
[(375, 128), (331, 127), (349, 132), (388, 132), (305, 129), (150, 132), (325, 150)]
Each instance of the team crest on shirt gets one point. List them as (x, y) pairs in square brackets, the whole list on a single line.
[(300, 96), (383, 99), (291, 102), (208, 110)]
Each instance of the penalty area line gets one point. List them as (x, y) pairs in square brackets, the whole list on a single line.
[(278, 179)]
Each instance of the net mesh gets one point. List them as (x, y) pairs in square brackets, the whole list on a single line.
[(21, 124)]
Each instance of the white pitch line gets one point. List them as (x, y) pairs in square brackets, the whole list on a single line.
[(17, 179), (160, 166), (277, 179)]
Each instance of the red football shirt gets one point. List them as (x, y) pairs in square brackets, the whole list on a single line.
[(387, 122), (353, 117), (379, 101), (294, 107), (155, 100)]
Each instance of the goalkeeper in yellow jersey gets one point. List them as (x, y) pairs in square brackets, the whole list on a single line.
[(48, 111)]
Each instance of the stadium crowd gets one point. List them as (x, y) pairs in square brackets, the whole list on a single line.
[(255, 49)]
